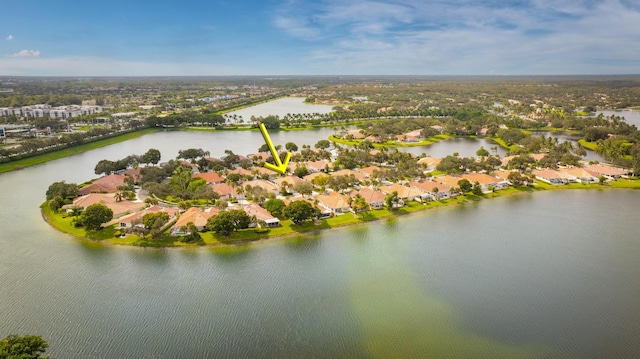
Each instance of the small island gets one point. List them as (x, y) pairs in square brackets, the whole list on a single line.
[(197, 199)]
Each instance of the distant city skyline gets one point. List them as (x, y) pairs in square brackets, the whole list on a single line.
[(321, 37)]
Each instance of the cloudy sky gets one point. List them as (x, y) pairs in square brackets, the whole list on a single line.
[(320, 37)]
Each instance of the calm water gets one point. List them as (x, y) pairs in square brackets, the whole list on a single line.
[(563, 137), (632, 117), (544, 275), (280, 107), (466, 147)]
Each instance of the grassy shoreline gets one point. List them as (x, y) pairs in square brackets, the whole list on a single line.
[(288, 229), (54, 155)]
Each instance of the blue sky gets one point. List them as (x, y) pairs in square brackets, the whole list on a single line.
[(319, 37)]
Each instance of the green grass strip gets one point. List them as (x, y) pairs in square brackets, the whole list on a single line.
[(31, 161)]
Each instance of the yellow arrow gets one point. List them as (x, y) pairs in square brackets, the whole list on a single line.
[(280, 167)]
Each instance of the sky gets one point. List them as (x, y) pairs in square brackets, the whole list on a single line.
[(319, 37)]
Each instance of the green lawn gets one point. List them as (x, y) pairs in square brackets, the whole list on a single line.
[(588, 145), (63, 223)]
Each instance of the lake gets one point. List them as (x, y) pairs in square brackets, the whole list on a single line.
[(280, 107), (632, 117), (551, 275)]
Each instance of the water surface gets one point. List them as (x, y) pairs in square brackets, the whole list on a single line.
[(548, 275)]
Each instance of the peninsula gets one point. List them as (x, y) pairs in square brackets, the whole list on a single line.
[(197, 200)]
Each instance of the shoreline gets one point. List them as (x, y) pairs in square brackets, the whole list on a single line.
[(251, 237), (70, 151)]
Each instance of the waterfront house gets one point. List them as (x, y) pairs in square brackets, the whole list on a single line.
[(607, 171), (374, 198), (119, 208), (106, 184), (487, 182), (335, 202), (578, 174), (128, 220), (404, 192), (195, 215), (434, 190), (261, 215), (549, 176)]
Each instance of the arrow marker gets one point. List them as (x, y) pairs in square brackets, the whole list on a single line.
[(280, 167)]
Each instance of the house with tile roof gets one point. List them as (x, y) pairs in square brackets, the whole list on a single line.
[(434, 190), (242, 172), (226, 191), (290, 180), (106, 184), (264, 184), (549, 176), (346, 172), (211, 177), (450, 181), (374, 198), (262, 215), (404, 192), (335, 202), (119, 208), (487, 182), (609, 172), (430, 163), (127, 220), (368, 171), (578, 174), (195, 215), (263, 172)]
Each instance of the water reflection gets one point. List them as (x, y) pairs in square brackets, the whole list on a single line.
[(304, 242), (232, 253)]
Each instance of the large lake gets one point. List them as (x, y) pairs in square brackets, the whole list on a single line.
[(280, 107), (546, 275)]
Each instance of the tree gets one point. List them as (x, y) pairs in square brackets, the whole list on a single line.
[(151, 156), (264, 148), (322, 144), (359, 204), (391, 200), (152, 174), (95, 215), (56, 203), (105, 166), (271, 122), (482, 152), (62, 189), (191, 153), (516, 179), (299, 211), (23, 347), (602, 180), (274, 206), (221, 223), (149, 219), (477, 189), (291, 147), (465, 185), (240, 219), (304, 188), (301, 171)]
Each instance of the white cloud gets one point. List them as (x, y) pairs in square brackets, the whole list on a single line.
[(469, 37), (10, 38), (27, 53), (95, 66)]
